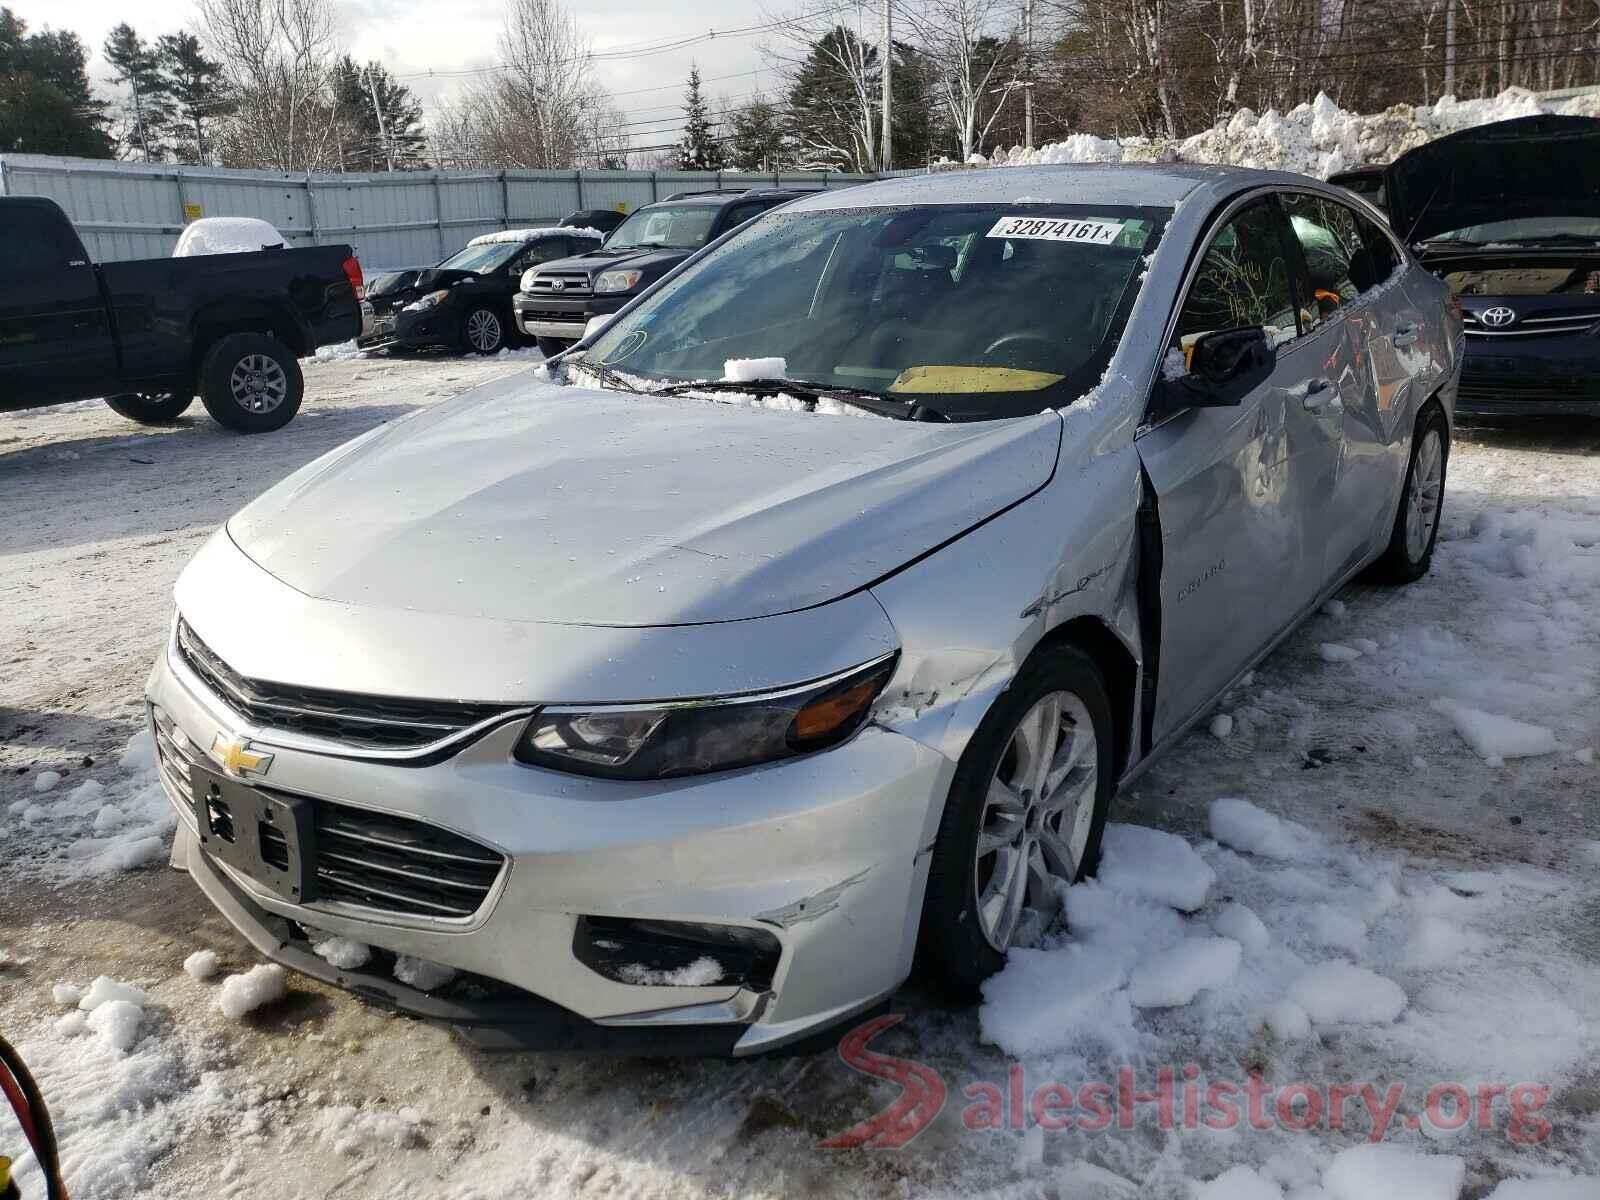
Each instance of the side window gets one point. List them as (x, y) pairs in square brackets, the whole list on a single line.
[(740, 213), (543, 251), (1244, 279), (30, 245), (1380, 250)]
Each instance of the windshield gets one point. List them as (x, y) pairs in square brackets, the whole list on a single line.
[(681, 226), (972, 311), (482, 258), (1525, 229)]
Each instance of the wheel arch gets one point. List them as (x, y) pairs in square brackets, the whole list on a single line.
[(269, 319), (1119, 670)]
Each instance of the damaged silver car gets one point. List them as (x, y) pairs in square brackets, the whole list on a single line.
[(802, 624)]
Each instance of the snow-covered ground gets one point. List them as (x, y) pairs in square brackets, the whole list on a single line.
[(1314, 139), (1378, 872)]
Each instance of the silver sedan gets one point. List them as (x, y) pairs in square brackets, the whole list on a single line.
[(801, 625)]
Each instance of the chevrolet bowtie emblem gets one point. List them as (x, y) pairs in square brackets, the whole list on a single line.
[(237, 758)]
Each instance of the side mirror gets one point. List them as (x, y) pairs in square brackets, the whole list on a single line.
[(1224, 368)]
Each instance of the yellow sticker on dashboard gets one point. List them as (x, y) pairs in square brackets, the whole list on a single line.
[(1057, 229)]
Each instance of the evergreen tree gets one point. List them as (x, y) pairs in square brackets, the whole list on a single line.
[(828, 122), (755, 141), (197, 91), (46, 106), (137, 66), (699, 150), (361, 94)]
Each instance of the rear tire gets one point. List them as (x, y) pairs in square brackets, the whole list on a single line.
[(1046, 820), (1409, 553), (483, 331), (151, 408), (550, 347), (251, 383)]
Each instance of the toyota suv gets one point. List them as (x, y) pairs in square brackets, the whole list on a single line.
[(559, 300)]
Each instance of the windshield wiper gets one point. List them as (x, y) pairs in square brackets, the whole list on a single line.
[(1554, 239), (608, 376), (862, 398)]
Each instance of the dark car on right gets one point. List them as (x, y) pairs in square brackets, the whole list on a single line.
[(557, 304), (1509, 216)]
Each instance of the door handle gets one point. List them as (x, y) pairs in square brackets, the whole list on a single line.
[(1405, 335), (1320, 394)]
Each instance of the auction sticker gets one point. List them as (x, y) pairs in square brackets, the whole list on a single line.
[(1057, 229)]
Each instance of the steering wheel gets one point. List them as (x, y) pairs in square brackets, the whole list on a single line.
[(1049, 346)]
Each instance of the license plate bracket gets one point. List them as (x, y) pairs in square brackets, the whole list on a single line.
[(268, 837)]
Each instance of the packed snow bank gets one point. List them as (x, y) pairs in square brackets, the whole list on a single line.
[(1365, 1172), (226, 235), (1318, 139)]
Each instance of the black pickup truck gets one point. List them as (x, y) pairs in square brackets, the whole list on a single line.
[(148, 335)]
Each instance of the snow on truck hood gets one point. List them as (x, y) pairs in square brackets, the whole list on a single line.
[(1539, 166), (541, 503)]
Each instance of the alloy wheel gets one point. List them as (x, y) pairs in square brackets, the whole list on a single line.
[(258, 383), (483, 330), (1034, 827), (1423, 495)]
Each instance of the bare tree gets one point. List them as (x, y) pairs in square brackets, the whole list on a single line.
[(973, 48), (829, 55)]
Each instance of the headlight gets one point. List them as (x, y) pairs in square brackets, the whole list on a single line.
[(527, 279), (428, 301), (658, 741), (617, 281)]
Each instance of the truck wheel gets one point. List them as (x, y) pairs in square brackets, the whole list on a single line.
[(550, 347), (150, 408), (251, 383), (482, 331)]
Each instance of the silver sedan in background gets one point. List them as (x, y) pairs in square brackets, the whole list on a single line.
[(801, 624)]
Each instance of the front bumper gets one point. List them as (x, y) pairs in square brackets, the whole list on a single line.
[(823, 854), (1538, 376), (436, 326), (548, 317)]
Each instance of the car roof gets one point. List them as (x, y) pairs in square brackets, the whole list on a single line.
[(1156, 185), (530, 235), (728, 197)]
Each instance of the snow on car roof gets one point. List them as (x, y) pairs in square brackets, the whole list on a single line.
[(226, 235), (530, 235)]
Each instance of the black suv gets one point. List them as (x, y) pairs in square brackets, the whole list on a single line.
[(558, 302)]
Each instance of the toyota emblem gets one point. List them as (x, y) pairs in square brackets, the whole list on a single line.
[(1498, 316), (560, 285)]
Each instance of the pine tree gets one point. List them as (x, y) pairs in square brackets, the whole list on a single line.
[(197, 90), (137, 66), (755, 137), (699, 150), (361, 94), (46, 106)]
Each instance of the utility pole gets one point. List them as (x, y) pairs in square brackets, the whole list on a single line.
[(886, 155), (1449, 47), (1027, 74), (377, 110)]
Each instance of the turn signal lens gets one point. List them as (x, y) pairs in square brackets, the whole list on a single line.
[(826, 715)]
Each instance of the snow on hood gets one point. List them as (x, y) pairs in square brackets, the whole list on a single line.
[(565, 504), (1319, 138), (226, 235)]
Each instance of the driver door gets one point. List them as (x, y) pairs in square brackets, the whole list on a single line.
[(1230, 483)]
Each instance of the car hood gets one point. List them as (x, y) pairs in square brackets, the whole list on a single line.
[(1540, 166), (533, 502), (596, 261), (439, 277)]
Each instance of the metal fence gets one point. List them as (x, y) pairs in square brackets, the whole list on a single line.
[(404, 218)]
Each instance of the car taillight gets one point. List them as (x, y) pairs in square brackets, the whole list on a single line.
[(352, 272)]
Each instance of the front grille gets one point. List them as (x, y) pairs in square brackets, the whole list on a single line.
[(1512, 388), (368, 722), (566, 316), (1548, 326), (572, 284), (370, 860)]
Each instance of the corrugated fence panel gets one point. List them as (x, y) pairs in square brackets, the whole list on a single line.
[(412, 218)]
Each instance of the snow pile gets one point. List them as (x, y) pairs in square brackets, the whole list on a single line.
[(518, 235), (421, 974), (345, 953), (1154, 866), (745, 370), (1174, 978), (338, 352), (1338, 993), (226, 235), (1318, 139), (99, 827), (1242, 825), (261, 985), (106, 990), (201, 965), (702, 972), (1363, 1172), (1497, 738)]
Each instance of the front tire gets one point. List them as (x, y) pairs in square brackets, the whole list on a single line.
[(151, 408), (1416, 525), (482, 331), (1024, 817), (251, 383)]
